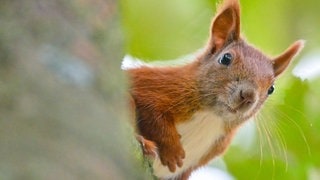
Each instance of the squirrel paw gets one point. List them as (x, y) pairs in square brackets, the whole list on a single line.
[(172, 156), (149, 148)]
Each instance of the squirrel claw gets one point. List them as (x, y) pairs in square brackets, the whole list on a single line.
[(172, 157), (149, 148)]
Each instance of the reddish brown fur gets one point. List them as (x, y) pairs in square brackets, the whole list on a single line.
[(157, 95), (164, 97)]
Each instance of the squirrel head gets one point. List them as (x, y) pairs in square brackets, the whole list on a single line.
[(234, 77)]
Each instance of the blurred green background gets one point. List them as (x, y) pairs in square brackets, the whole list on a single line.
[(63, 112), (285, 143)]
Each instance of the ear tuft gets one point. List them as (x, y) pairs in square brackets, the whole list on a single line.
[(225, 27), (233, 4), (281, 62), (300, 44)]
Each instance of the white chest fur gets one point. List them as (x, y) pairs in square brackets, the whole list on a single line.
[(197, 136)]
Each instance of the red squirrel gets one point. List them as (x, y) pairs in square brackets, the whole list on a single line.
[(189, 114)]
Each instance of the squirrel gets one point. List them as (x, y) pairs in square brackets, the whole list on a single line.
[(187, 115)]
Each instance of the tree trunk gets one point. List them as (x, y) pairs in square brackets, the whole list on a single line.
[(63, 108)]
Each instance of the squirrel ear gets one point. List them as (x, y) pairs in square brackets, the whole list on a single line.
[(225, 27), (281, 62)]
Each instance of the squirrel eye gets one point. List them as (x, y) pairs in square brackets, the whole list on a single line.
[(226, 59), (270, 90)]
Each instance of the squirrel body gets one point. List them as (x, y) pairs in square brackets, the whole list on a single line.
[(202, 124), (188, 114)]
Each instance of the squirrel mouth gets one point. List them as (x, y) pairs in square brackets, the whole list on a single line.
[(230, 109), (240, 108)]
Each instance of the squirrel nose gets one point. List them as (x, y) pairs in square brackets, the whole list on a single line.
[(247, 96)]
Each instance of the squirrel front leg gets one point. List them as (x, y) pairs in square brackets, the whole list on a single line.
[(162, 130)]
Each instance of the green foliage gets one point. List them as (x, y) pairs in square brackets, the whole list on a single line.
[(164, 29)]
